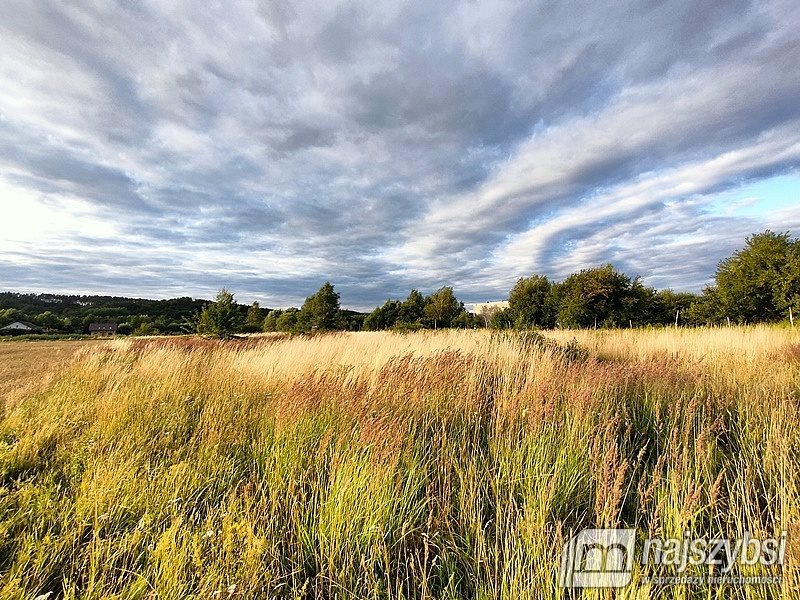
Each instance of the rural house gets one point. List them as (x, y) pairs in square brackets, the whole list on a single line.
[(20, 327), (103, 329)]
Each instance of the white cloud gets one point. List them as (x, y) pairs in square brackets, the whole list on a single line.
[(278, 144)]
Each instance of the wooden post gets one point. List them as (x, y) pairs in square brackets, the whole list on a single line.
[(630, 322), (791, 316), (677, 312)]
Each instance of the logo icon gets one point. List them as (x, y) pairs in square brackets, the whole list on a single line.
[(598, 558)]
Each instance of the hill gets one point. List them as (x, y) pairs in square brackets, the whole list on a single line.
[(73, 313)]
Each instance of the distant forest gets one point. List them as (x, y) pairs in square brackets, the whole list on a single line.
[(760, 283), (73, 314)]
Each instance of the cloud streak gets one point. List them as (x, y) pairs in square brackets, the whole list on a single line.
[(153, 149)]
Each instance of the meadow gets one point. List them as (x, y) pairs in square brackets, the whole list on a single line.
[(439, 464)]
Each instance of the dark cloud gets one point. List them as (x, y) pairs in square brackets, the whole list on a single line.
[(271, 146)]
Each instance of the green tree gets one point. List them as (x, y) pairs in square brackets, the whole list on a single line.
[(413, 308), (48, 320), (501, 319), (531, 303), (221, 318), (638, 306), (9, 315), (789, 288), (271, 321), (759, 282), (255, 319), (406, 315), (350, 320), (161, 323), (383, 317), (704, 310), (594, 296), (287, 321), (66, 324), (442, 306), (667, 303), (145, 329), (372, 322), (467, 320), (320, 311)]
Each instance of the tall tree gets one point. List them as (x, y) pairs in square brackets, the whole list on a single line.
[(287, 321), (789, 288), (531, 302), (254, 316), (594, 296), (221, 318), (271, 321), (502, 319), (48, 320), (442, 306), (667, 305), (320, 311), (413, 308), (255, 319), (755, 284), (383, 317), (706, 309)]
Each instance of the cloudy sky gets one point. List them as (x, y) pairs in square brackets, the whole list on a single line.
[(155, 149)]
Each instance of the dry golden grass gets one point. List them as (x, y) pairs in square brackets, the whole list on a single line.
[(450, 464), (749, 344), (26, 366)]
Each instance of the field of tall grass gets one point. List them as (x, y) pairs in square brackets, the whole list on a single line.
[(451, 464)]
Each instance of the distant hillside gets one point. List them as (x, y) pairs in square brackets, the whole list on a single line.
[(72, 314)]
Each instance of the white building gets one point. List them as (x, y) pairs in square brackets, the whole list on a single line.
[(21, 327), (491, 307), (485, 310)]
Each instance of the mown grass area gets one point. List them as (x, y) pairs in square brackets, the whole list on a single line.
[(451, 464), (27, 365)]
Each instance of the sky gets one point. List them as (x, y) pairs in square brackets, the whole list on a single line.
[(160, 149)]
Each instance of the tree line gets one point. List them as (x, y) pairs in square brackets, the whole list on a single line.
[(320, 312), (759, 283), (72, 314)]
